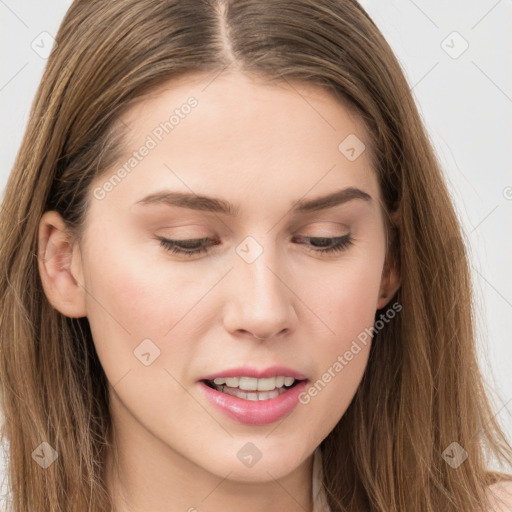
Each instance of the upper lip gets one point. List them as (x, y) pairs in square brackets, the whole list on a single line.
[(249, 371)]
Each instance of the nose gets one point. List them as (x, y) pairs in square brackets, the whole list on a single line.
[(260, 299)]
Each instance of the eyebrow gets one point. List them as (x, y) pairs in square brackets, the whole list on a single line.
[(217, 205)]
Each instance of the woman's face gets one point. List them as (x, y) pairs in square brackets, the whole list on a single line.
[(163, 322)]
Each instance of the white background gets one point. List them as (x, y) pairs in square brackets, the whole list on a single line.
[(465, 102)]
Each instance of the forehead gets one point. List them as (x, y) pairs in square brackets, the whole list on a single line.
[(231, 135), (228, 103)]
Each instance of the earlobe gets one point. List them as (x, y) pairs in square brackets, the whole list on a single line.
[(390, 281), (389, 286), (60, 267)]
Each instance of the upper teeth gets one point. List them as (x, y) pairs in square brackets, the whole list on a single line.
[(253, 384)]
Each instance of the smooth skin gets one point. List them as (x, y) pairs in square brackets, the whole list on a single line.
[(262, 147)]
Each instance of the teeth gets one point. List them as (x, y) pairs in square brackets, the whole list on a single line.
[(250, 388), (280, 382), (262, 395), (288, 381), (232, 382), (253, 384)]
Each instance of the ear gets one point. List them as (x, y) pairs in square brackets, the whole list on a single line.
[(390, 280), (60, 266)]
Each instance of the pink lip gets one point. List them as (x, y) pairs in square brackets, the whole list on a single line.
[(248, 371), (255, 412)]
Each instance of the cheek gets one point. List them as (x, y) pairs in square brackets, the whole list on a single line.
[(351, 314), (128, 302), (144, 297), (347, 305), (346, 296), (344, 291), (342, 356), (331, 393), (133, 293)]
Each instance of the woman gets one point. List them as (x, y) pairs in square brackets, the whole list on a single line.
[(251, 288)]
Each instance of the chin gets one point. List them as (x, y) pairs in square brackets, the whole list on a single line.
[(252, 465)]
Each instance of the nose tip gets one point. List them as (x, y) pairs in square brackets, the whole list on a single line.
[(260, 304)]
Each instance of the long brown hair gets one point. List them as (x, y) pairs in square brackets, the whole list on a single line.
[(422, 389)]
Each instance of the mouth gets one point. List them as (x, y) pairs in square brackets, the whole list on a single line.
[(254, 401), (253, 389)]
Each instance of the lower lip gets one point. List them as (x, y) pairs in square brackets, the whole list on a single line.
[(251, 412)]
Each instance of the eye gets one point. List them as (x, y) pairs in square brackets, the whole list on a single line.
[(199, 245), (336, 244), (186, 247)]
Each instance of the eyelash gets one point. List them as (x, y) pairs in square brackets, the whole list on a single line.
[(343, 242)]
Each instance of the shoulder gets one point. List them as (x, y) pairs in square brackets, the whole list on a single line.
[(501, 497)]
